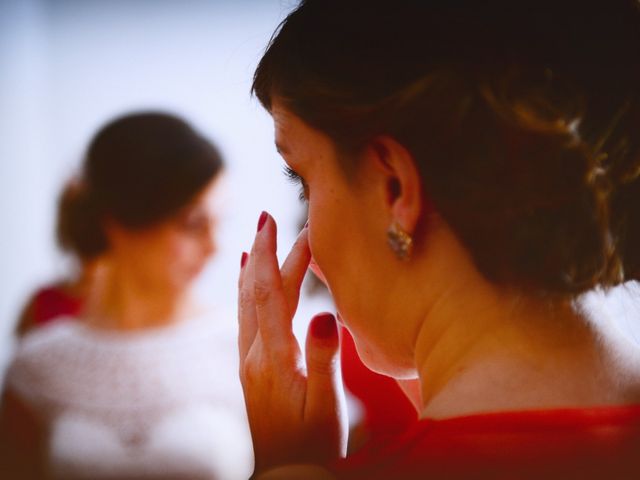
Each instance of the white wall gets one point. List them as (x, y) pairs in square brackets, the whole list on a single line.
[(25, 183)]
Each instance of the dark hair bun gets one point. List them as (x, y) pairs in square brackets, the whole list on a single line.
[(79, 227), (522, 193), (139, 170)]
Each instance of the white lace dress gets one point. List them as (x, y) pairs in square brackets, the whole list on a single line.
[(164, 403)]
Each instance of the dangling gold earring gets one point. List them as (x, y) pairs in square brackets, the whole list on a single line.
[(400, 241)]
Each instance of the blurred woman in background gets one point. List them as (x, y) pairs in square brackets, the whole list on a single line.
[(144, 384)]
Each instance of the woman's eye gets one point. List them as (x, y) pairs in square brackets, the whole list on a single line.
[(194, 223), (295, 178)]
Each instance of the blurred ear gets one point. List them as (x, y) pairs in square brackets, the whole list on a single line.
[(115, 233), (402, 184)]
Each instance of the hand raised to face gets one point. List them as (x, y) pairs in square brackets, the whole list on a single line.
[(296, 415)]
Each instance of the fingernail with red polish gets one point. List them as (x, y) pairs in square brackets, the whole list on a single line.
[(262, 220), (243, 259), (306, 225), (324, 326)]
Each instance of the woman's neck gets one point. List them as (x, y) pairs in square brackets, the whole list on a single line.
[(480, 349), (126, 303), (510, 356)]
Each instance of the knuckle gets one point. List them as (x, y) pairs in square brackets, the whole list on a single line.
[(322, 366), (262, 293), (251, 373), (282, 355), (244, 299), (260, 251)]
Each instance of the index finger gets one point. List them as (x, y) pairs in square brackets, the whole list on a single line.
[(294, 269)]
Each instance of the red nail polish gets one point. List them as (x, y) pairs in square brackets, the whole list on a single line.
[(243, 259), (306, 225), (323, 326), (262, 220)]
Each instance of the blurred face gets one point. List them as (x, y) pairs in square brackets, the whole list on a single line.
[(169, 255), (346, 230)]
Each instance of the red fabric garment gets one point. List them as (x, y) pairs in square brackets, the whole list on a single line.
[(386, 408), (602, 442), (53, 302)]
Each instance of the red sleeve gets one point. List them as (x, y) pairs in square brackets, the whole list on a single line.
[(50, 303)]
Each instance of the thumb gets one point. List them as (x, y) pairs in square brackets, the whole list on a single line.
[(322, 358), (325, 404)]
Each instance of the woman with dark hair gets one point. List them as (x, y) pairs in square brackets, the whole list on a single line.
[(142, 383), (471, 168)]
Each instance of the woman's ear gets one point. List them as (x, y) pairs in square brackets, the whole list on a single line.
[(402, 182)]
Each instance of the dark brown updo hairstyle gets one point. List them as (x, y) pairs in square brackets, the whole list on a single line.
[(523, 117), (139, 169)]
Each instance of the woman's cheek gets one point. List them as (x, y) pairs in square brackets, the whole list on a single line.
[(179, 257), (316, 270), (314, 245)]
